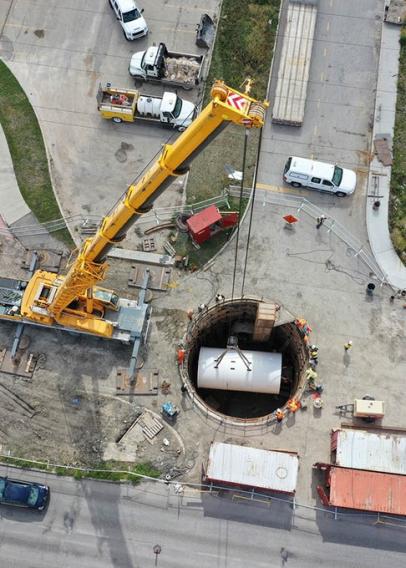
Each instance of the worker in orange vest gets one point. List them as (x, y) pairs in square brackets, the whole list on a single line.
[(293, 405), (279, 415), (181, 356)]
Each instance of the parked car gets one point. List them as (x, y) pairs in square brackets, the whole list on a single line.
[(23, 493), (131, 18), (330, 178)]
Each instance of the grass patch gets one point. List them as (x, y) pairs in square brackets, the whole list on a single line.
[(27, 151), (244, 48), (108, 471), (397, 211), (199, 257)]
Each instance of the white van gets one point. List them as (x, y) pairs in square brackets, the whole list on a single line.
[(130, 18), (301, 172)]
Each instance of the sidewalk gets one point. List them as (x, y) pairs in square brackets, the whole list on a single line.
[(13, 207), (16, 218), (380, 175)]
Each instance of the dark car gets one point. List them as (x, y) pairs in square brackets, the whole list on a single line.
[(23, 493)]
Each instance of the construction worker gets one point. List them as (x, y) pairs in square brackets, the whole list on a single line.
[(311, 375), (348, 345), (181, 356), (220, 298), (320, 221), (314, 357), (293, 405), (279, 415)]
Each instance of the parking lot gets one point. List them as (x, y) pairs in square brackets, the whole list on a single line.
[(60, 52)]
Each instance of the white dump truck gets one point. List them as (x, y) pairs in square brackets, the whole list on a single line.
[(128, 105), (168, 67)]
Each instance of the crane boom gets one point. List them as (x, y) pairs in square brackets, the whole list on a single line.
[(69, 300)]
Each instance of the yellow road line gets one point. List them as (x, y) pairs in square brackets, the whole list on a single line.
[(276, 188), (178, 31)]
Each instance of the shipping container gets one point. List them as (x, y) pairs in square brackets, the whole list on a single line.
[(363, 490), (378, 450), (247, 467)]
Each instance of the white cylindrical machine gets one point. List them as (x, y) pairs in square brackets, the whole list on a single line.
[(232, 373)]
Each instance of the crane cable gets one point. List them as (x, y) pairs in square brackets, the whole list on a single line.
[(254, 189), (240, 210)]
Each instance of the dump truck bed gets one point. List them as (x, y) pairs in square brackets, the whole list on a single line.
[(183, 68)]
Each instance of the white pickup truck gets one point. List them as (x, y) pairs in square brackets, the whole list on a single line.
[(129, 105), (168, 67)]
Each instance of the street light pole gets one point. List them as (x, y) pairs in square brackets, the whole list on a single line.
[(157, 551)]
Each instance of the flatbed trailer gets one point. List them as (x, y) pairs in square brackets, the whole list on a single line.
[(294, 67)]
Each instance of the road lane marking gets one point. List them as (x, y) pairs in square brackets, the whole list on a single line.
[(276, 188), (325, 51), (328, 26), (315, 130), (178, 31), (322, 77)]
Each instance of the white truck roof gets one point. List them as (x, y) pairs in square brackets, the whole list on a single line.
[(126, 5), (312, 167)]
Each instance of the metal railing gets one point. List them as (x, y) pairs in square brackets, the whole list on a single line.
[(179, 489), (301, 204), (156, 216)]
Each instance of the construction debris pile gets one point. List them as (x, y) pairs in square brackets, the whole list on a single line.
[(182, 69)]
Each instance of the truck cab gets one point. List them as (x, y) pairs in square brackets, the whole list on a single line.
[(147, 64)]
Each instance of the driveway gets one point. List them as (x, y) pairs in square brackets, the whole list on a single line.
[(60, 52), (339, 106)]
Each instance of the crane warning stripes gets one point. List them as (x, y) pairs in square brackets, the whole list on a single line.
[(237, 101)]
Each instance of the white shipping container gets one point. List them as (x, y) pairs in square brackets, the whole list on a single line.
[(232, 373), (251, 467), (383, 450)]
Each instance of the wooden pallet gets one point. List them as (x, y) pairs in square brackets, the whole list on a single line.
[(150, 425)]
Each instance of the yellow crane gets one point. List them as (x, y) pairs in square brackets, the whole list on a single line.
[(75, 301)]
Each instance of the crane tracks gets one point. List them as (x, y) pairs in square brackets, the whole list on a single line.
[(25, 408)]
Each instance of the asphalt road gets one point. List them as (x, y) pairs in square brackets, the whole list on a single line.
[(94, 524), (339, 107)]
